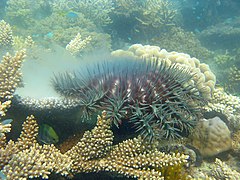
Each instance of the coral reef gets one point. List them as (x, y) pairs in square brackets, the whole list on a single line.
[(157, 14), (24, 13), (22, 43), (94, 152), (96, 10), (211, 137), (218, 170), (203, 79), (177, 39), (236, 141), (234, 78), (158, 99), (98, 40), (223, 171), (227, 31), (142, 20), (226, 104), (127, 7), (6, 37), (77, 44)]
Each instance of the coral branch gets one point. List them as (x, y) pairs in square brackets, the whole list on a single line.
[(25, 158), (10, 75), (132, 158)]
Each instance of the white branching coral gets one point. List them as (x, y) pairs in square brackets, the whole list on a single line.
[(227, 104), (22, 43), (10, 74), (3, 107), (6, 37), (77, 44)]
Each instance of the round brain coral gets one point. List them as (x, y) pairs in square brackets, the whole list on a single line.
[(157, 99)]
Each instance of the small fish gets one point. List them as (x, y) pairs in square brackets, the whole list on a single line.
[(2, 176), (47, 134), (49, 35), (6, 121), (72, 15)]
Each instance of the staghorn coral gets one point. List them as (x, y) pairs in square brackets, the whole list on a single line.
[(25, 158), (6, 37), (132, 158), (203, 79), (10, 73), (77, 44), (127, 7), (4, 128), (157, 14)]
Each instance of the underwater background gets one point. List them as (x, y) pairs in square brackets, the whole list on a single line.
[(120, 89)]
